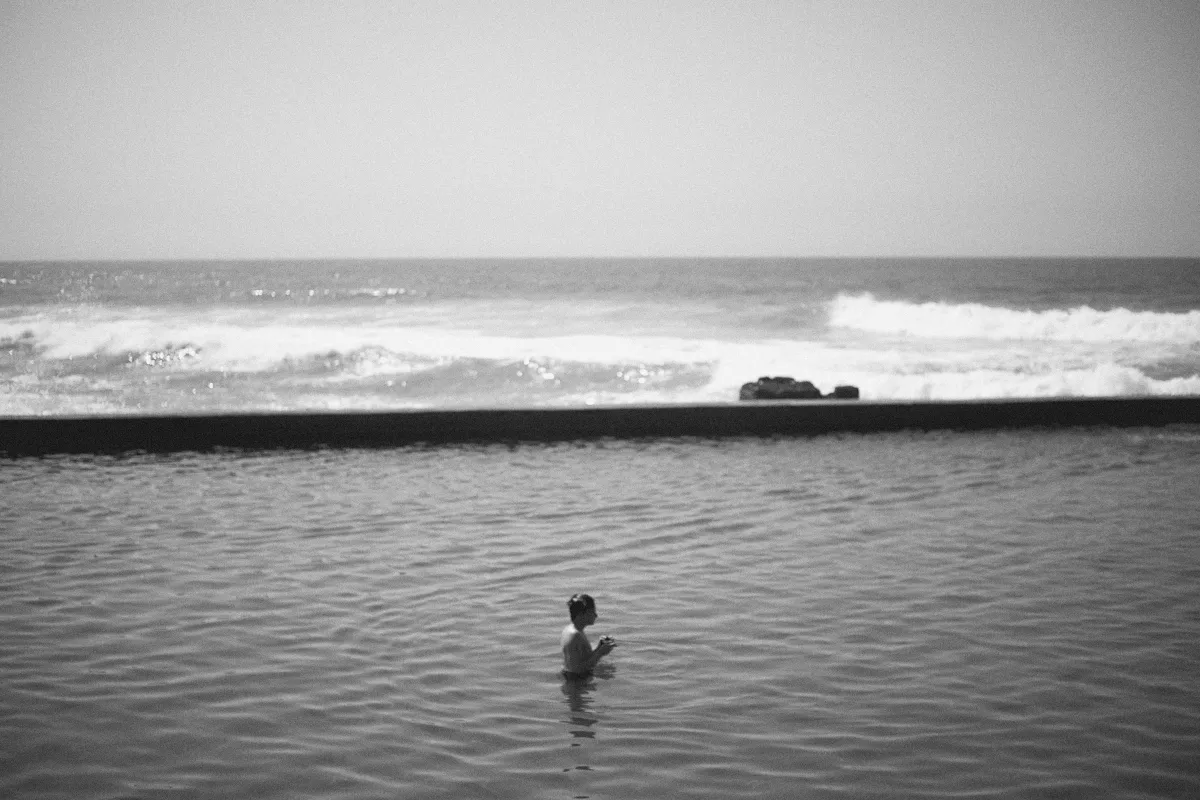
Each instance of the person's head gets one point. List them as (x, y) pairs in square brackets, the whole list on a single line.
[(582, 609)]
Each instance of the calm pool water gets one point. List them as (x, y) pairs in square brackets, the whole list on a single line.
[(912, 615)]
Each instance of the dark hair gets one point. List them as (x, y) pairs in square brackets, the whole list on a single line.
[(580, 604)]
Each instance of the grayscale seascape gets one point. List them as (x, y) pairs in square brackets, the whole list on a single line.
[(342, 343)]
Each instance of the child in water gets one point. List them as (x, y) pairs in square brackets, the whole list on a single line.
[(578, 655)]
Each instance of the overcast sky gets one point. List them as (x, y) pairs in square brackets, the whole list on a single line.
[(248, 129)]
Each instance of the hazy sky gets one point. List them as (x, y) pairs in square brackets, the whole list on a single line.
[(164, 129)]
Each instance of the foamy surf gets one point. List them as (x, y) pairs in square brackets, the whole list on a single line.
[(935, 320), (681, 334)]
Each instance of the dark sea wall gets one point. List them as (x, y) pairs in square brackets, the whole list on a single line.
[(116, 434)]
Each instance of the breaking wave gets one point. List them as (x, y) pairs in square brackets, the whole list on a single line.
[(936, 320), (92, 359)]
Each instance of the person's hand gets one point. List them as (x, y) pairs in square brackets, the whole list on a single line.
[(607, 643)]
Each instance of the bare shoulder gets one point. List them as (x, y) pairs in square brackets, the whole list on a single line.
[(572, 636)]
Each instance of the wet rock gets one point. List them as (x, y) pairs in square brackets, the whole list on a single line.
[(779, 388), (785, 388)]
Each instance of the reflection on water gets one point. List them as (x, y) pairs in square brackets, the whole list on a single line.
[(578, 693)]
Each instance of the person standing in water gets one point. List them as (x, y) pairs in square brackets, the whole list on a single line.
[(578, 655)]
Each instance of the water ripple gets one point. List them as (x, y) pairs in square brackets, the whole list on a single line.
[(993, 615)]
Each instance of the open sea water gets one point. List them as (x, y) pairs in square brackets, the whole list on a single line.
[(1008, 614), (111, 338)]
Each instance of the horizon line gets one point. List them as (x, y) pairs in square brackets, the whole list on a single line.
[(548, 258)]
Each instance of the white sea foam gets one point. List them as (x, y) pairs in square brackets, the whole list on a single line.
[(225, 342), (864, 312), (1105, 380), (347, 357), (954, 371)]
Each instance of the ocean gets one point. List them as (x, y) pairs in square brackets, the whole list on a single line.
[(114, 338), (1004, 614)]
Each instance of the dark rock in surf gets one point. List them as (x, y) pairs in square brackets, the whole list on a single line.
[(779, 388), (785, 388)]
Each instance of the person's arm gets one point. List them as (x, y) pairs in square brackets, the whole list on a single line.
[(603, 648), (580, 655)]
